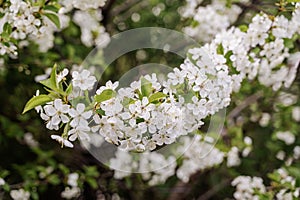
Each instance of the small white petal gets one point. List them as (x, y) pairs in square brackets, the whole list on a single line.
[(80, 108)]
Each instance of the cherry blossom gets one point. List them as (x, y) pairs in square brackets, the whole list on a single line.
[(62, 141)]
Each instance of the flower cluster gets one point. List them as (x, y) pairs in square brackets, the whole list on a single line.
[(198, 155), (247, 187), (150, 113), (72, 190), (192, 150), (19, 194), (208, 20), (260, 50), (23, 22), (157, 114), (155, 168), (253, 188)]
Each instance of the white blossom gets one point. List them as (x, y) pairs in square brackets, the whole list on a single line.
[(70, 193), (2, 181), (80, 132), (233, 158), (83, 80), (286, 136), (296, 113), (19, 194), (57, 112), (62, 141), (61, 76), (72, 179), (80, 116), (245, 186)]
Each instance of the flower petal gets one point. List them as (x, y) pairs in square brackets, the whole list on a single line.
[(80, 108)]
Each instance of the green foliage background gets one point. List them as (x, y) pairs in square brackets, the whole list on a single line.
[(21, 165)]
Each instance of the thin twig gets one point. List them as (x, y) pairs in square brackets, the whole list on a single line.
[(123, 7), (237, 110)]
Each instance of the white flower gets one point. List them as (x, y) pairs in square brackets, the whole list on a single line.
[(245, 187), (61, 76), (280, 155), (20, 194), (162, 138), (177, 77), (72, 179), (296, 113), (88, 4), (112, 107), (153, 80), (62, 141), (2, 182), (83, 80), (108, 85), (29, 140), (197, 156), (233, 158), (38, 109), (248, 140), (79, 131), (286, 137), (57, 112), (115, 196), (49, 124), (265, 119), (79, 116), (70, 193), (283, 194), (296, 152)]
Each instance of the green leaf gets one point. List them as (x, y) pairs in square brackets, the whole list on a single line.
[(127, 101), (64, 169), (105, 95), (54, 18), (220, 49), (288, 43), (146, 87), (243, 28), (7, 28), (52, 82), (91, 171), (51, 8), (139, 120), (53, 179), (34, 195), (156, 96), (6, 187), (92, 182), (36, 101), (188, 97), (100, 112), (69, 89)]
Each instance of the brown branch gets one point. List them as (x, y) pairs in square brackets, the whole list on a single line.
[(237, 110), (125, 6)]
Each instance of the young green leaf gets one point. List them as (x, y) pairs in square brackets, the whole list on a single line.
[(69, 89), (105, 95), (127, 101), (52, 82), (36, 101), (54, 18), (51, 8), (156, 96), (146, 87)]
